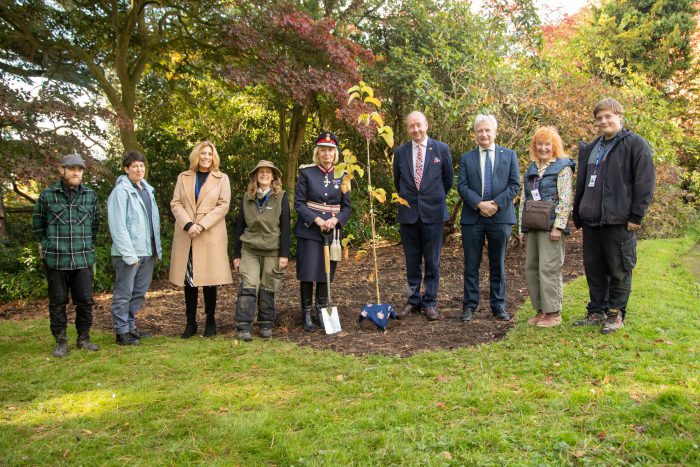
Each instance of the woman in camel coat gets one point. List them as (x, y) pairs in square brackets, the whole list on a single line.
[(200, 244)]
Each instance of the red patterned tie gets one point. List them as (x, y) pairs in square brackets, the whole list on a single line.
[(419, 165)]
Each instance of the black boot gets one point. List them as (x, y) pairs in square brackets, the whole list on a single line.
[(245, 312), (321, 301), (210, 310), (306, 289), (266, 312), (61, 344), (190, 312), (84, 342)]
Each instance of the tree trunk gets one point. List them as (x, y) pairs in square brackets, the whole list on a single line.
[(291, 139), (4, 234)]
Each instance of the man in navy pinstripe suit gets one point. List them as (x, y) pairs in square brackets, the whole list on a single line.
[(489, 179), (423, 174)]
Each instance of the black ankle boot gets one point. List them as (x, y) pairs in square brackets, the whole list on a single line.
[(306, 290), (61, 345), (84, 342)]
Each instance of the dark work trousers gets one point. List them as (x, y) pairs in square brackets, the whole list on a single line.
[(79, 283), (609, 256), (422, 244), (473, 237)]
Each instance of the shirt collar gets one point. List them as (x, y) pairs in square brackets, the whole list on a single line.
[(423, 143), (491, 148)]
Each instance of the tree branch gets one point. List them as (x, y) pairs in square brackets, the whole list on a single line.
[(16, 189)]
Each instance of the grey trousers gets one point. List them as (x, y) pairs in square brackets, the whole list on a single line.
[(544, 259), (131, 283)]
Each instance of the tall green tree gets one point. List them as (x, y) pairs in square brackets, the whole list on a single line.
[(103, 46)]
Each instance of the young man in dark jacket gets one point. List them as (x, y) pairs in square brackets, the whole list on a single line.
[(614, 187), (66, 221)]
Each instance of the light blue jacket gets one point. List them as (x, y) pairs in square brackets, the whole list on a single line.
[(128, 221)]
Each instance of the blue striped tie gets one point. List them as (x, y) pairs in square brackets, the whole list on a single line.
[(488, 178)]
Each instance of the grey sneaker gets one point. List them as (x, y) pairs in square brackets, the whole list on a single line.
[(265, 333), (591, 319), (613, 322), (244, 336)]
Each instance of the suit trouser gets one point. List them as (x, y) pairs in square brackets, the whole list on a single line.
[(131, 283), (609, 256), (79, 283), (544, 259), (473, 237), (422, 243)]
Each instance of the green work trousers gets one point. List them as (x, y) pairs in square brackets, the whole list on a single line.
[(544, 259)]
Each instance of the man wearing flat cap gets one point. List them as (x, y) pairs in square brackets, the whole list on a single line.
[(66, 220)]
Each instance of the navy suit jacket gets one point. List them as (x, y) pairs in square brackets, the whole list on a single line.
[(506, 184), (429, 203)]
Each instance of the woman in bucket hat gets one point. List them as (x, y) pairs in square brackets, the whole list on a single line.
[(322, 206), (199, 256), (262, 249)]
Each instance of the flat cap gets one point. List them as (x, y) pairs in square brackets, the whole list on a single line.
[(72, 160)]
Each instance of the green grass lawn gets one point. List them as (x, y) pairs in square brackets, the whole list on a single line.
[(540, 396)]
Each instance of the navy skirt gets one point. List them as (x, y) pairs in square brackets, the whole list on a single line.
[(310, 266)]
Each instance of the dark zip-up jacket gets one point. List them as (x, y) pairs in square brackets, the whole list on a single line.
[(628, 180)]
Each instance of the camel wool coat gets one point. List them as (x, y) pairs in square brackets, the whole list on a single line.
[(210, 264)]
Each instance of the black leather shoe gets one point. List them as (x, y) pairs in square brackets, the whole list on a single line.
[(467, 313), (501, 315), (139, 334), (127, 339), (431, 313), (407, 310)]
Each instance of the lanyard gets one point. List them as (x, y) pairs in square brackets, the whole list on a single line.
[(600, 155)]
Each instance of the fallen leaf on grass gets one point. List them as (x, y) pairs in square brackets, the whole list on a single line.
[(606, 380), (579, 454), (223, 409), (447, 455), (639, 428), (440, 405), (602, 435), (339, 378), (442, 378), (635, 396), (284, 329), (87, 432), (66, 453)]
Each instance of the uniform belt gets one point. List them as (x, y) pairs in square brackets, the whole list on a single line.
[(332, 208)]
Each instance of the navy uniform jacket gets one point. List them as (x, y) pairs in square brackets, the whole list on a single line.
[(506, 184), (311, 187), (429, 203)]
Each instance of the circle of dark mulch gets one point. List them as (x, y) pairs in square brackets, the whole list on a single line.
[(163, 313)]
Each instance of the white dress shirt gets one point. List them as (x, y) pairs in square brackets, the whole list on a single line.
[(414, 145), (482, 163)]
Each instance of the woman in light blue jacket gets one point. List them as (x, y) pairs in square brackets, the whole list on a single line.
[(134, 224)]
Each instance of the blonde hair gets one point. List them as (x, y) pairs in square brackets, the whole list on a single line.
[(547, 133), (275, 186), (317, 161), (194, 156)]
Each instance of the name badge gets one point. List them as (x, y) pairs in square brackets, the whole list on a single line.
[(591, 182), (536, 195)]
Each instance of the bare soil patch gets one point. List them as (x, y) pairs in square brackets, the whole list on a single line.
[(163, 312)]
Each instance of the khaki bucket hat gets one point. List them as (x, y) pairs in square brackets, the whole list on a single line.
[(264, 163)]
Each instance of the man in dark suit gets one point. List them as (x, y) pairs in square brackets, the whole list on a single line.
[(423, 174), (489, 179)]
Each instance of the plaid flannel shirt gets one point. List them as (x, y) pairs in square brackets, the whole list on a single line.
[(67, 229)]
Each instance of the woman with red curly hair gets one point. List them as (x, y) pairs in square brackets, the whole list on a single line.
[(548, 178)]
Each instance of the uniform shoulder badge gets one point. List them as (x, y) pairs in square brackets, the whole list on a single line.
[(306, 166)]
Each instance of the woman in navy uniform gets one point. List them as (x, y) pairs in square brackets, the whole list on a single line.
[(322, 207)]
